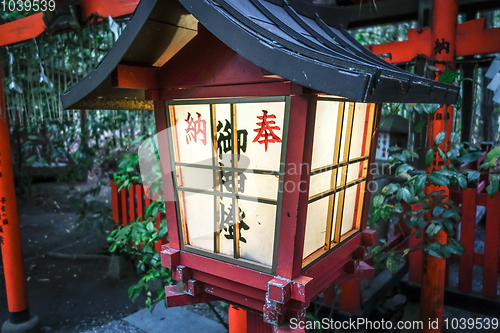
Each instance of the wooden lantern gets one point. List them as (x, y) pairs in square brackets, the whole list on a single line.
[(266, 112)]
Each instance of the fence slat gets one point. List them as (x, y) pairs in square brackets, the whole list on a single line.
[(467, 239), (491, 242), (140, 199), (131, 202), (124, 207), (114, 202)]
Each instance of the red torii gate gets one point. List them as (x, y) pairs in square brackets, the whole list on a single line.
[(10, 236), (471, 38), (445, 41)]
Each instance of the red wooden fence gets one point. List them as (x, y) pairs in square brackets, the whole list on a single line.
[(489, 259), (129, 204)]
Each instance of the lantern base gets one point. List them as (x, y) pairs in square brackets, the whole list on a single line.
[(32, 325)]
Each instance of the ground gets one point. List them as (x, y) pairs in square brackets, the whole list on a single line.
[(67, 295), (72, 295)]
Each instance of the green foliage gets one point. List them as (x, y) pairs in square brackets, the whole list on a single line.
[(431, 212), (138, 238)]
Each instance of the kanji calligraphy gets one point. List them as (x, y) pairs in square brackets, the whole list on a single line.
[(197, 129), (265, 134)]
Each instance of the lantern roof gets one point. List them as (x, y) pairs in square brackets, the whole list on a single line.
[(294, 39)]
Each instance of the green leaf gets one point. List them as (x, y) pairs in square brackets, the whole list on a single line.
[(420, 183), (434, 249), (462, 181), (448, 77), (470, 157), (446, 250), (32, 137), (378, 200), (492, 188), (394, 148), (454, 137), (494, 153), (440, 138), (389, 189), (442, 154), (403, 168), (473, 175), (429, 157), (420, 126), (392, 264), (406, 195), (455, 246), (438, 179), (438, 210), (400, 157), (432, 229)]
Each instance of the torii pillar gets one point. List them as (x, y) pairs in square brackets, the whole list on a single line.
[(10, 237), (444, 26)]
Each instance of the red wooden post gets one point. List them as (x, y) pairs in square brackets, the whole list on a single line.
[(131, 203), (467, 239), (115, 204), (491, 242), (123, 194), (444, 27), (139, 191), (10, 234), (350, 296), (237, 319), (290, 207), (256, 324)]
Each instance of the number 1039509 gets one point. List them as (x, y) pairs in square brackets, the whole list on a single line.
[(28, 5), (470, 323)]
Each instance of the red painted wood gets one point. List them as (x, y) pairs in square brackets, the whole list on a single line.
[(139, 191), (491, 243), (125, 220), (244, 90), (206, 61), (230, 285), (350, 296), (471, 38), (115, 207), (221, 269), (168, 185), (417, 43), (160, 242), (131, 203), (135, 77), (237, 319), (334, 258), (22, 29), (256, 324), (444, 27), (10, 234), (362, 165), (304, 193), (115, 8), (233, 297), (372, 167), (467, 239), (291, 189), (33, 25)]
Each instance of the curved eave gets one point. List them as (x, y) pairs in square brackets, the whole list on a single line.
[(281, 40), (157, 30)]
